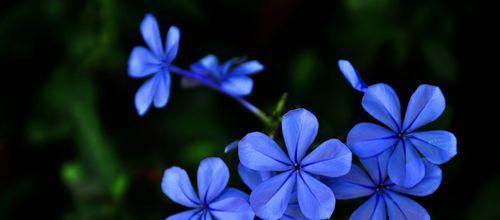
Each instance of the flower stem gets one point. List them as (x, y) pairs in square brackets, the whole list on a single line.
[(252, 108)]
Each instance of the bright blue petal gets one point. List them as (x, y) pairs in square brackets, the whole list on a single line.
[(176, 185), (233, 192), (172, 43), (270, 199), (426, 104), (206, 65), (258, 151), (429, 184), (238, 85), (377, 166), (382, 102), (253, 178), (373, 209), (406, 168), (355, 184), (331, 158), (213, 176), (142, 63), (231, 207), (151, 34), (401, 207), (299, 128), (206, 216), (437, 146), (162, 90), (368, 140), (187, 215), (316, 200), (293, 211), (145, 94), (352, 75), (250, 67)]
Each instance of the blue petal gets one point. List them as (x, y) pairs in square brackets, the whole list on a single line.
[(233, 192), (258, 151), (162, 90), (293, 211), (368, 140), (253, 178), (142, 63), (230, 147), (206, 65), (426, 104), (373, 209), (437, 146), (151, 34), (400, 207), (382, 103), (176, 185), (206, 216), (299, 127), (316, 200), (270, 199), (352, 75), (377, 166), (238, 85), (231, 207), (406, 168), (213, 176), (187, 215), (429, 184), (145, 94), (250, 67), (355, 184), (331, 158), (172, 43)]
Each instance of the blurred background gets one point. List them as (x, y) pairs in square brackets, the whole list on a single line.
[(73, 147)]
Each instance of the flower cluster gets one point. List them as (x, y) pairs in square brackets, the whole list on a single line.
[(302, 179)]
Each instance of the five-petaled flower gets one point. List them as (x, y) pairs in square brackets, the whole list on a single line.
[(231, 76), (400, 138), (155, 61), (298, 172), (386, 198), (214, 201)]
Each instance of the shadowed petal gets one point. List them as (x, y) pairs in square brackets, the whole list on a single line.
[(178, 188), (151, 34), (331, 158), (405, 165), (352, 75), (206, 65), (145, 94), (373, 209), (250, 67), (401, 207), (377, 166), (368, 139), (213, 176), (172, 43), (299, 127), (231, 207), (258, 151), (253, 178), (428, 185), (355, 184), (206, 216), (426, 104), (187, 215), (316, 200), (382, 102), (238, 85), (293, 212), (270, 199), (163, 90), (437, 146), (142, 63)]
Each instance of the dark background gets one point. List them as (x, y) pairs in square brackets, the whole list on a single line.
[(73, 147)]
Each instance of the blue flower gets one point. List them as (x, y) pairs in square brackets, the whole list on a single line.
[(231, 76), (213, 201), (385, 197), (297, 171), (153, 62), (400, 136)]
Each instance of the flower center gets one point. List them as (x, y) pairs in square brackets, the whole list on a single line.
[(297, 167), (402, 135)]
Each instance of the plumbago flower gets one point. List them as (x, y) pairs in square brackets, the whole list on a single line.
[(386, 199), (296, 172), (153, 62), (232, 76), (400, 136), (213, 201)]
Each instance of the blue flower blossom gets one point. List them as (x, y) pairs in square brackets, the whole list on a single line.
[(231, 76), (214, 200), (153, 62), (386, 199), (296, 172), (400, 136)]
